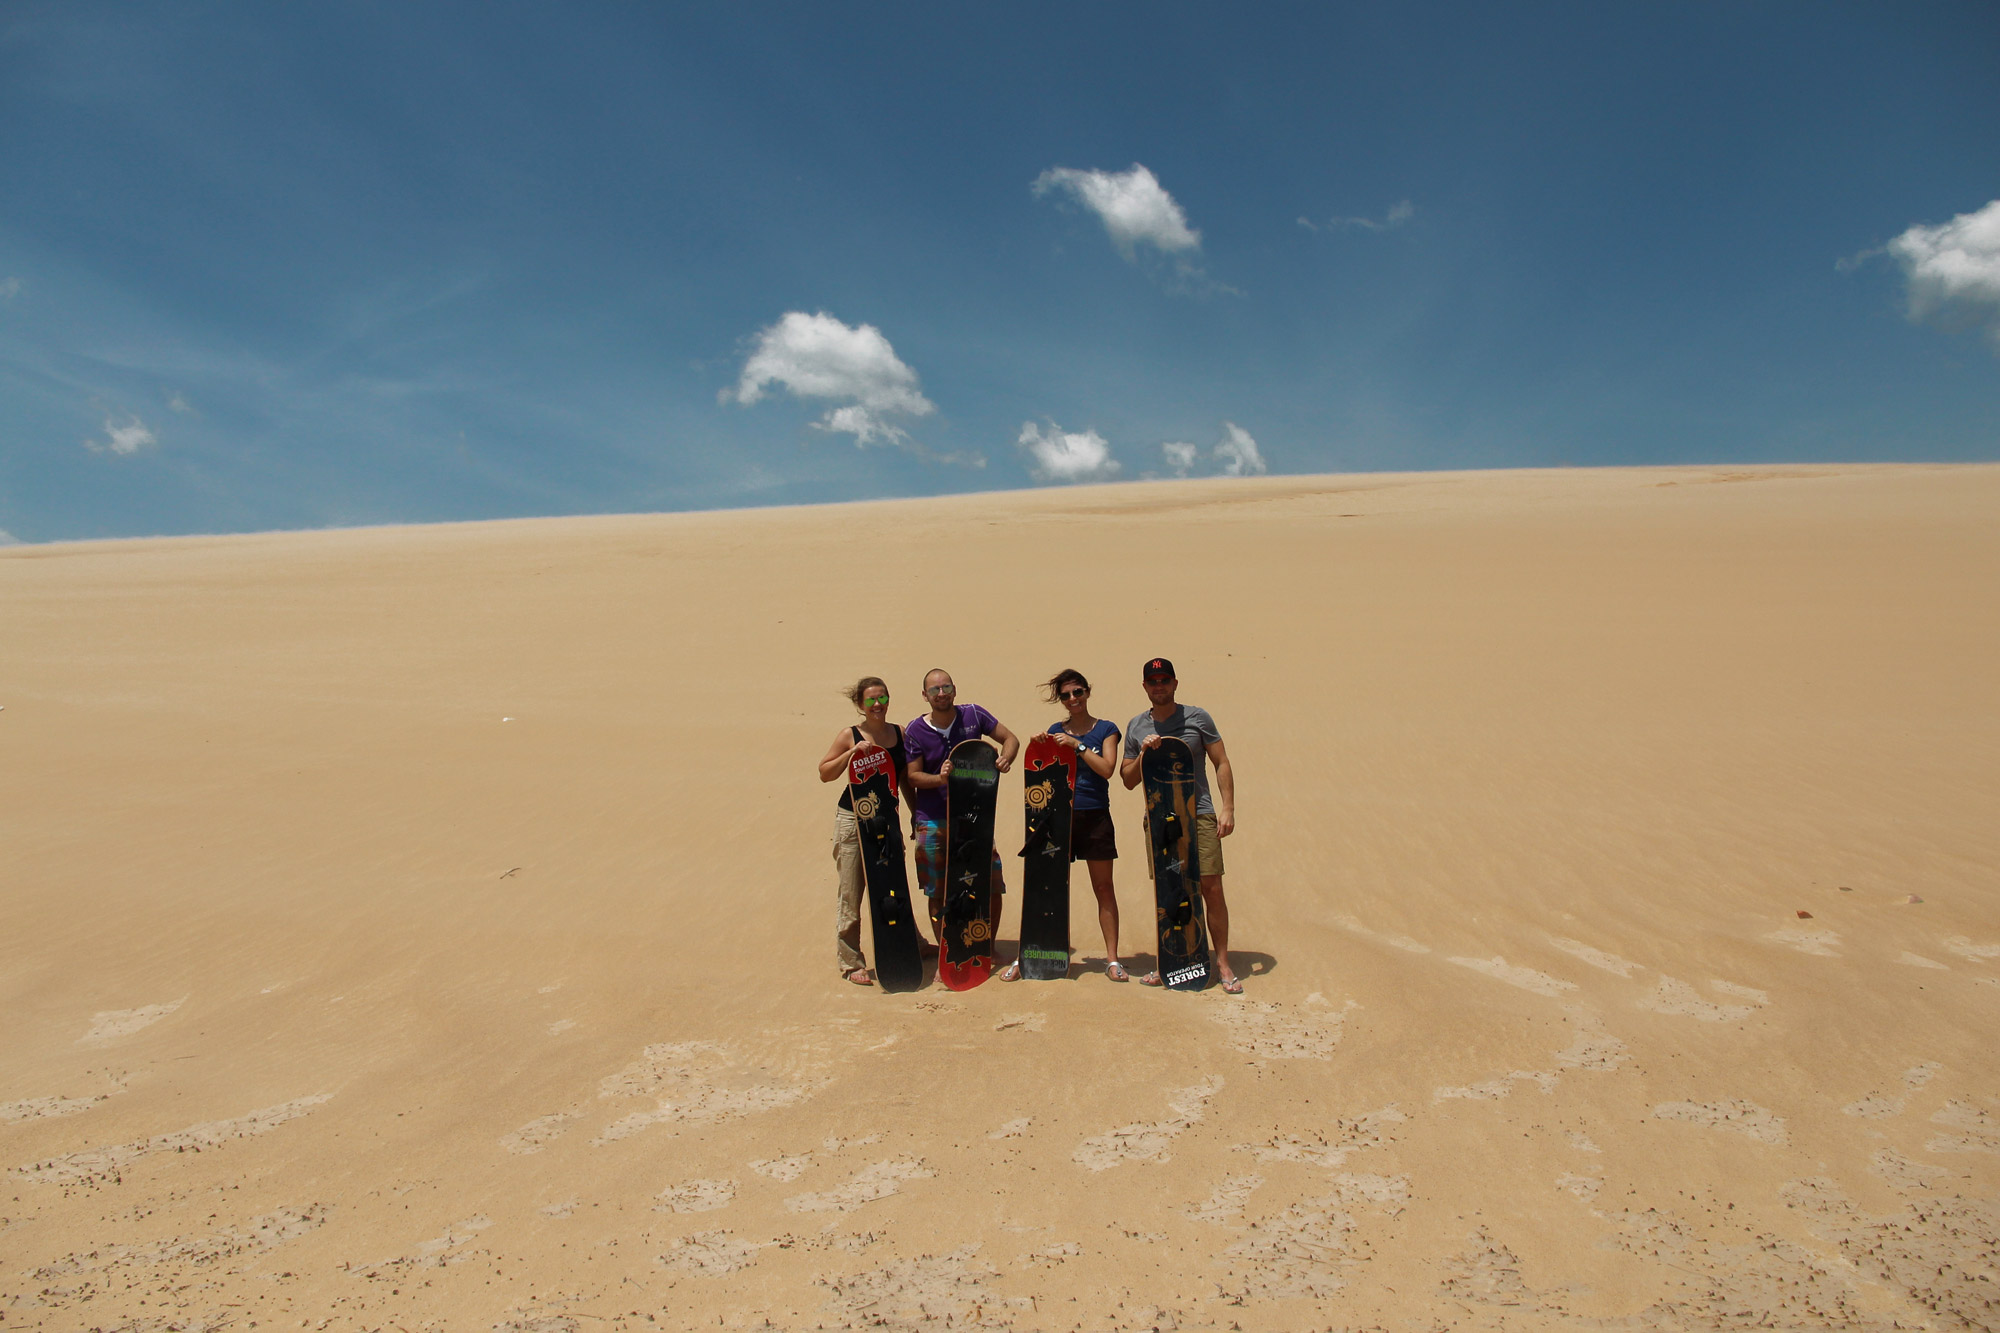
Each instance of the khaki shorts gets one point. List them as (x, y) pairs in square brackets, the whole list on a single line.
[(1207, 845)]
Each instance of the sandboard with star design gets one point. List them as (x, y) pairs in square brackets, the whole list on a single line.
[(1168, 773), (972, 795), (1048, 787), (871, 778)]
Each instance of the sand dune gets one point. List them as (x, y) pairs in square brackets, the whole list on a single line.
[(432, 928)]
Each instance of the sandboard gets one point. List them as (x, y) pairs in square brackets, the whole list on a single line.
[(1048, 788), (1168, 772), (871, 778), (965, 937)]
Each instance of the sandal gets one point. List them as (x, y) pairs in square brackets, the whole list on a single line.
[(1115, 970), (1013, 971), (1232, 985), (859, 976), (1151, 979)]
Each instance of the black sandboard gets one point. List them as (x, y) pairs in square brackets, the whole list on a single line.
[(871, 778), (972, 793), (1168, 771), (1048, 789)]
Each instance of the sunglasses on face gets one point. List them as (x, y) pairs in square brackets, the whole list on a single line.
[(874, 700), (1067, 695), (942, 689)]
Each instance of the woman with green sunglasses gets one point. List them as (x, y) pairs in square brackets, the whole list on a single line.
[(870, 698)]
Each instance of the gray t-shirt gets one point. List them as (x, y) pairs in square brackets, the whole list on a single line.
[(1185, 723)]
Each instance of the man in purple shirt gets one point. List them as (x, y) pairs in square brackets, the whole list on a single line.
[(929, 740)]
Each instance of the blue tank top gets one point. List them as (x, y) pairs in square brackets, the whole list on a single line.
[(1092, 792)]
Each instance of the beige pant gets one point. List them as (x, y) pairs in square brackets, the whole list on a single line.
[(847, 902), (1207, 845)]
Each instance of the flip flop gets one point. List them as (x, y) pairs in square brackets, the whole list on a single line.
[(1116, 971), (1151, 979), (1013, 972), (859, 976), (1232, 985)]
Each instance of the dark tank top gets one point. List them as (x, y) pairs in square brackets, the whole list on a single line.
[(897, 756)]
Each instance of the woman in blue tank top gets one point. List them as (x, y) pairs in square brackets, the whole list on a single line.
[(1091, 836)]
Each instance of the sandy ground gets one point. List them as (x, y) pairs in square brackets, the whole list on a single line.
[(1582, 814)]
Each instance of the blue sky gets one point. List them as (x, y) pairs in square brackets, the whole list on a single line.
[(271, 266)]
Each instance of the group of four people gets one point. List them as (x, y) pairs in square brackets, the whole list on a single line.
[(921, 754)]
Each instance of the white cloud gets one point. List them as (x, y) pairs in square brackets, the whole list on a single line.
[(123, 440), (817, 356), (1953, 271), (1133, 206), (1238, 453), (177, 402), (1399, 212), (1067, 456), (8, 539), (1180, 457), (9, 288)]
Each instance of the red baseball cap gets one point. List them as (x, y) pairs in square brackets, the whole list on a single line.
[(1158, 669)]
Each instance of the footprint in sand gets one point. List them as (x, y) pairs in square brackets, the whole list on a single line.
[(104, 1163), (114, 1023), (1403, 942), (785, 1169), (49, 1108), (1494, 1089), (1732, 1114), (709, 1254), (1593, 1048), (1541, 983), (1273, 1032), (696, 1196), (1020, 1022), (1147, 1142), (1678, 998), (867, 1185), (1972, 953), (1227, 1199), (1877, 1105), (1329, 1150), (538, 1134), (1982, 1129), (1814, 940), (1583, 1187), (1013, 1129), (1597, 958)]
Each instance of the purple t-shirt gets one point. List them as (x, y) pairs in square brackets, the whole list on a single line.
[(933, 747)]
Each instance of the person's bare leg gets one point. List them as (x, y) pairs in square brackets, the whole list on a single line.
[(1107, 907), (1218, 923)]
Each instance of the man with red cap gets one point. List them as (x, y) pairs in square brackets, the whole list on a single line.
[(1214, 819)]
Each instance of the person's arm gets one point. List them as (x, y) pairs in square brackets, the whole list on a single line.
[(1010, 744), (837, 755), (1225, 790), (926, 781), (1100, 764), (1129, 771)]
